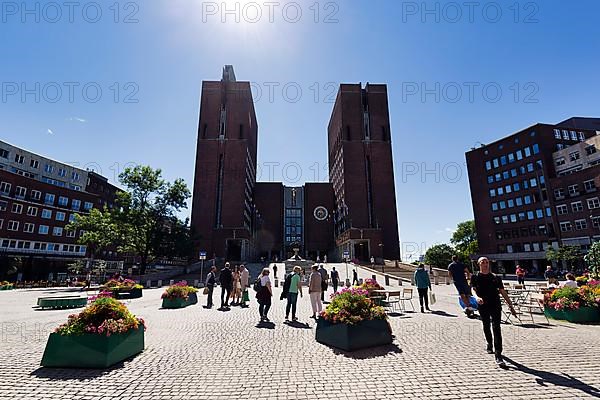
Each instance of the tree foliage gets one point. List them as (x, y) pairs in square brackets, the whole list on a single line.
[(439, 255), (464, 240), (566, 253), (593, 259)]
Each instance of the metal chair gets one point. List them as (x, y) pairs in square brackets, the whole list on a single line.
[(535, 304), (407, 295), (392, 300)]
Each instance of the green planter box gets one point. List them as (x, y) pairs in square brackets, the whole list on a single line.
[(92, 351), (122, 294), (354, 337), (180, 303), (580, 315), (7, 287), (62, 302)]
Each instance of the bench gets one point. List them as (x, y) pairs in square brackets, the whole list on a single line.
[(62, 302)]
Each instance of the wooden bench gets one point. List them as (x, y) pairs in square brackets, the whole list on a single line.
[(61, 302)]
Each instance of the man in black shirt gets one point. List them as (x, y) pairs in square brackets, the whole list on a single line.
[(226, 279), (459, 272), (488, 288)]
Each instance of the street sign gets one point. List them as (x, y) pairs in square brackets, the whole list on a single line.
[(346, 254), (202, 255)]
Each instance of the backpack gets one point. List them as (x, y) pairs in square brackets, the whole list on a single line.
[(257, 285), (286, 286)]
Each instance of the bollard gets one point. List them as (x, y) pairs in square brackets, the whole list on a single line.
[(195, 282), (436, 280), (171, 282), (276, 282), (159, 284), (399, 281), (387, 280), (148, 284), (374, 277)]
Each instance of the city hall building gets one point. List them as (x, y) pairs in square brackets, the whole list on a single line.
[(535, 189), (237, 218)]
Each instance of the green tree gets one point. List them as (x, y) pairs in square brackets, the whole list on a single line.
[(146, 212), (439, 255), (464, 240), (592, 258), (99, 231), (568, 254)]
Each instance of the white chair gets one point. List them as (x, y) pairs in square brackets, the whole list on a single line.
[(535, 304), (407, 295)]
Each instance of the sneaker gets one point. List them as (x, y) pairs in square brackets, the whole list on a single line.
[(294, 319), (490, 349), (267, 319), (427, 308), (422, 310), (287, 318), (500, 362)]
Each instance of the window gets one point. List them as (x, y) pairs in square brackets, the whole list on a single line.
[(70, 234), (566, 226), (593, 203), (589, 186), (505, 175), (539, 213), (574, 156), (74, 176), (36, 195), (492, 192), (495, 162), (596, 222), (494, 206), (60, 216), (19, 158), (559, 146), (557, 133), (498, 177), (527, 247), (490, 179), (62, 172), (527, 151), (573, 135), (573, 190), (559, 194), (32, 211), (13, 225), (49, 199), (513, 172), (503, 160), (28, 228), (4, 153), (513, 218), (43, 229), (500, 191), (497, 220), (533, 182), (510, 203), (536, 148), (516, 186), (49, 169), (5, 188), (63, 201), (20, 192), (589, 150), (72, 217), (505, 219), (530, 215), (57, 231), (508, 189), (75, 204), (519, 201), (502, 205), (565, 134), (527, 199), (488, 165), (580, 224), (560, 161), (519, 155), (548, 212), (46, 214), (511, 158), (34, 164), (561, 209), (87, 206), (530, 167), (3, 205), (509, 248), (522, 218), (17, 208), (577, 206)]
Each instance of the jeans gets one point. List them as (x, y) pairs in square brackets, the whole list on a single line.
[(315, 302), (335, 285), (521, 280), (423, 297), (292, 299), (492, 315), (225, 293), (210, 294), (263, 309)]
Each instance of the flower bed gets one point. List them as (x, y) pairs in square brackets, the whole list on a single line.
[(4, 285), (370, 285), (352, 321), (126, 289), (179, 295), (580, 304), (103, 334)]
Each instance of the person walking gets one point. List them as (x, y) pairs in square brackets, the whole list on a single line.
[(372, 262), (459, 272), (211, 281), (335, 279), (294, 289), (488, 287), (275, 270), (423, 285), (354, 278), (226, 279), (550, 275), (520, 275), (236, 294), (264, 294), (324, 281), (244, 283), (314, 291)]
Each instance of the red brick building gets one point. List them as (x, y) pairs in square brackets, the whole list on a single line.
[(236, 218), (534, 189), (38, 198)]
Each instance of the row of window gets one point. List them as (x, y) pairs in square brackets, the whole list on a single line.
[(523, 247), (522, 170), (577, 206), (568, 135), (50, 199), (578, 225), (526, 231), (510, 203), (512, 157), (42, 229), (515, 187), (574, 156), (40, 246), (35, 164), (522, 216), (32, 211), (573, 190)]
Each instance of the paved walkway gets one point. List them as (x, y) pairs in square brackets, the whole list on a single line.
[(195, 353)]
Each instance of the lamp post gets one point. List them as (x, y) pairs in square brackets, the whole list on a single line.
[(382, 259)]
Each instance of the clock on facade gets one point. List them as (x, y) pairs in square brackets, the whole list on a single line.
[(320, 213)]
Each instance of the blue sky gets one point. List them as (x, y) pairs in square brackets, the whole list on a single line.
[(456, 76)]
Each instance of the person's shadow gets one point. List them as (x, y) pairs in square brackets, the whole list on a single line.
[(297, 324), (265, 325), (544, 377)]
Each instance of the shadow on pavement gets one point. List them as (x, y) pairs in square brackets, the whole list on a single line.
[(443, 314), (372, 352), (297, 324), (265, 325), (544, 377), (75, 374)]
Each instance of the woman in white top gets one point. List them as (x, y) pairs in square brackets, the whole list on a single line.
[(570, 281), (264, 295)]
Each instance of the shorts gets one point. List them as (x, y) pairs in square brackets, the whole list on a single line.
[(462, 288)]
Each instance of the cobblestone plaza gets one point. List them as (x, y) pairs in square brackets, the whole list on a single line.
[(195, 353)]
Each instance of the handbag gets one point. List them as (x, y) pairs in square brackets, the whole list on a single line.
[(432, 298), (205, 291), (245, 296)]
